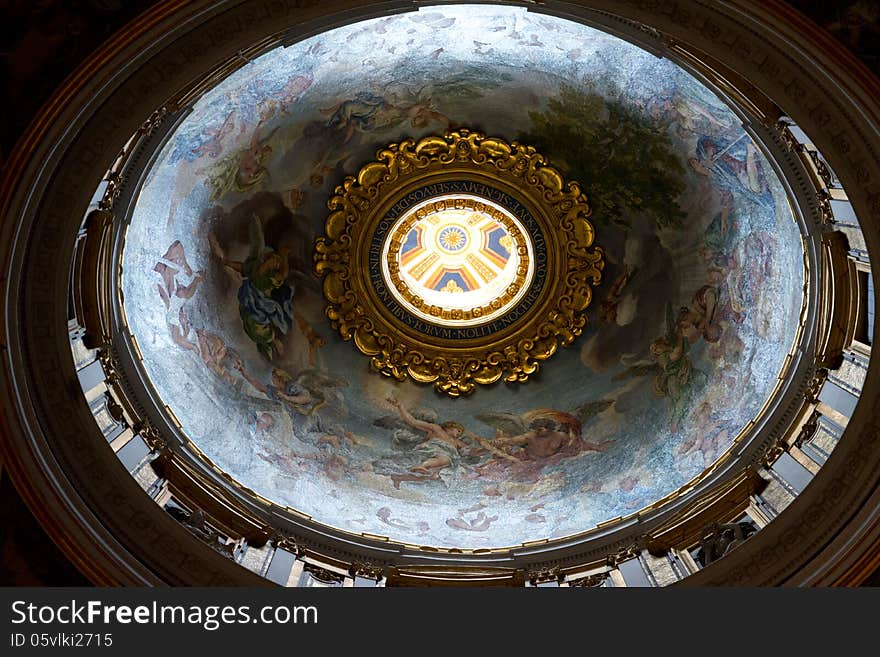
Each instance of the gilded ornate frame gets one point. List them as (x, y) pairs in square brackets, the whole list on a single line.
[(456, 360)]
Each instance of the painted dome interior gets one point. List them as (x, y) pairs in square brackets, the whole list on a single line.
[(698, 307)]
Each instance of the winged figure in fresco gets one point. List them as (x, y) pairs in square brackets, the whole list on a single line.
[(265, 296), (169, 267), (392, 106), (674, 375), (478, 523), (543, 433), (212, 138), (364, 112), (525, 443), (339, 133), (174, 269), (312, 400), (241, 170), (416, 106), (179, 285), (668, 363), (217, 356), (423, 445), (205, 141)]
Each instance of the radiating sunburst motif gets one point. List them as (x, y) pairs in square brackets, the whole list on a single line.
[(452, 238)]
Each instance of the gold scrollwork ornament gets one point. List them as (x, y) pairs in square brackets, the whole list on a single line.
[(455, 367)]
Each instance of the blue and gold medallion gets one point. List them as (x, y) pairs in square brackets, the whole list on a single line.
[(458, 260)]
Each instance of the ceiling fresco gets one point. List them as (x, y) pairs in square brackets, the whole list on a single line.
[(698, 307)]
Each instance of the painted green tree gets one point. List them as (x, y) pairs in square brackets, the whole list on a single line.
[(625, 162)]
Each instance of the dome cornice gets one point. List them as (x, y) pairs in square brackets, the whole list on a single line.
[(85, 498)]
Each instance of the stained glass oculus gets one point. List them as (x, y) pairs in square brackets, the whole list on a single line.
[(458, 260)]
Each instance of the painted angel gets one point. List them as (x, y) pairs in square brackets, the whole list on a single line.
[(265, 296), (416, 106), (178, 286), (364, 112), (543, 433), (424, 446), (311, 399), (675, 376), (241, 170), (212, 138)]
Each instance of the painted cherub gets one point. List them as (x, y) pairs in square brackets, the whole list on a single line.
[(424, 447), (443, 441), (544, 433), (179, 285), (311, 401)]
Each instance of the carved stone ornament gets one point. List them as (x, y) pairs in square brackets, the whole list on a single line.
[(553, 574), (589, 581), (323, 575), (623, 554), (458, 260), (719, 539), (150, 434), (289, 543), (109, 363), (366, 570)]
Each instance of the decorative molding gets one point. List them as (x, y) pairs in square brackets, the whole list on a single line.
[(456, 360), (286, 542), (366, 570), (323, 575), (623, 554), (151, 435), (717, 540), (545, 575), (590, 581)]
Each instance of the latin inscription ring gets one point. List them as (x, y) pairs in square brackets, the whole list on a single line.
[(458, 260)]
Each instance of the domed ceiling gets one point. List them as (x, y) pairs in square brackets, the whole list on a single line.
[(687, 333)]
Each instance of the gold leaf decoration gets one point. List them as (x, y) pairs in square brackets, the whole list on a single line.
[(455, 360)]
